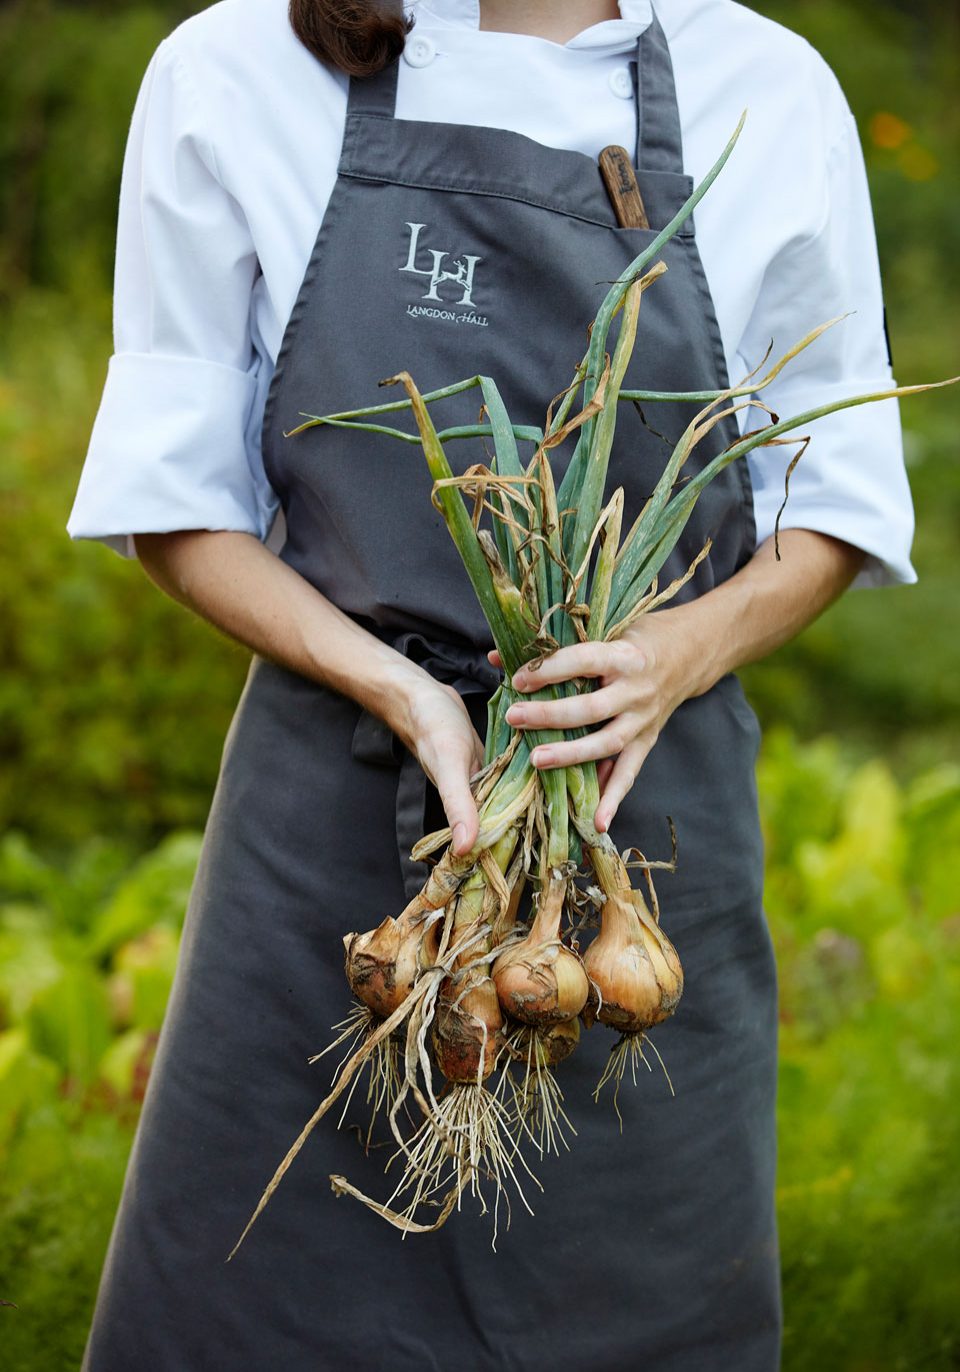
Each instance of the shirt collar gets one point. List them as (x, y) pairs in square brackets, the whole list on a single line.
[(635, 16)]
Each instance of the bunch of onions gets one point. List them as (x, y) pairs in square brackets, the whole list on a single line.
[(452, 994)]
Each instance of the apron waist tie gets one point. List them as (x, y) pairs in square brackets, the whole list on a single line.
[(464, 668)]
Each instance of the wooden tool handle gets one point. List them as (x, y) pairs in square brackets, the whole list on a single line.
[(621, 183)]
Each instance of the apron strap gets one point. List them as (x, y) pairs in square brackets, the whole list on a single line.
[(376, 94), (659, 142)]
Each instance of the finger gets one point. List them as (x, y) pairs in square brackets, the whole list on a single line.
[(605, 742), (592, 707), (623, 774), (604, 768), (493, 657), (579, 659), (453, 784)]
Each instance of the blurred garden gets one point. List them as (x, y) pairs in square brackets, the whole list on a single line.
[(114, 703)]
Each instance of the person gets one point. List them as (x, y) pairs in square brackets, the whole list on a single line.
[(312, 200)]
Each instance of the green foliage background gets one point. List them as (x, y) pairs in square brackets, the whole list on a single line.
[(115, 703)]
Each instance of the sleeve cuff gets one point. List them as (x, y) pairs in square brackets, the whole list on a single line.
[(169, 450)]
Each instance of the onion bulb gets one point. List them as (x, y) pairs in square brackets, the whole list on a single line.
[(468, 1029), (634, 969), (383, 965), (539, 980)]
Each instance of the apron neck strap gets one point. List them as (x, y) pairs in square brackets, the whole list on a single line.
[(659, 142), (375, 94)]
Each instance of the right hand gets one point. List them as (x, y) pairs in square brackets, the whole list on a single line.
[(439, 732)]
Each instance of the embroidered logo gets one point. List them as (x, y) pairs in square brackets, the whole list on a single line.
[(458, 276)]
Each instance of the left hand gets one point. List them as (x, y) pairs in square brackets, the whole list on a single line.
[(641, 679)]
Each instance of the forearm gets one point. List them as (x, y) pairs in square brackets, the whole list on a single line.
[(761, 607), (235, 583)]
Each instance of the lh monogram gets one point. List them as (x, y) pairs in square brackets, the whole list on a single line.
[(461, 274)]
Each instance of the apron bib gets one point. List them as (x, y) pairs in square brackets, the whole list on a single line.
[(451, 250)]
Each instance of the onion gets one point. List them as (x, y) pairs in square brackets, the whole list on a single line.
[(540, 981), (555, 1042), (635, 971), (558, 1041), (553, 570), (468, 1029), (636, 976), (538, 1099), (382, 966)]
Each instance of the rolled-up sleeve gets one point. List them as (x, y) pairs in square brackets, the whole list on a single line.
[(175, 442), (851, 482)]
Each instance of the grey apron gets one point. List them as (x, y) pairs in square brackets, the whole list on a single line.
[(449, 250)]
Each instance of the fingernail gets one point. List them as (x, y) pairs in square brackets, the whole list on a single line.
[(459, 835), (539, 757), (514, 715)]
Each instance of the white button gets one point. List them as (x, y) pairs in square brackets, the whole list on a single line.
[(621, 83), (419, 52)]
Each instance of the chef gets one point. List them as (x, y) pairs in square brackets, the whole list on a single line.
[(313, 199)]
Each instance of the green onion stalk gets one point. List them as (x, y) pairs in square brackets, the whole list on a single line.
[(461, 1011)]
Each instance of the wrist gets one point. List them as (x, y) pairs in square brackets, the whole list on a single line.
[(359, 665), (398, 695), (393, 693)]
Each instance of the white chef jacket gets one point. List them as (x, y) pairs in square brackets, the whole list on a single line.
[(230, 161)]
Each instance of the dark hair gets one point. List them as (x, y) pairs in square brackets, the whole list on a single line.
[(358, 36)]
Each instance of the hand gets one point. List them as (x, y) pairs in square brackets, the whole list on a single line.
[(641, 679), (439, 731)]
